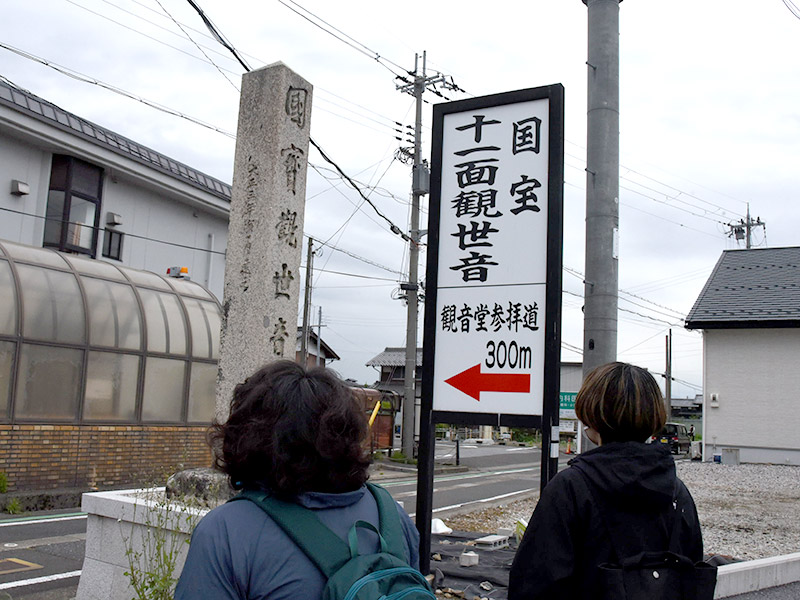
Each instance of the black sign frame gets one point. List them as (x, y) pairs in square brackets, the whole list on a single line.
[(547, 422)]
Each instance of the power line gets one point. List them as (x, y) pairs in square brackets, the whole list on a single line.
[(203, 52), (664, 202), (209, 61), (205, 35), (357, 257), (357, 205), (668, 185), (356, 45), (633, 312), (218, 36), (679, 224), (571, 347), (579, 275), (392, 227), (99, 229), (209, 251), (111, 88), (792, 8), (163, 43)]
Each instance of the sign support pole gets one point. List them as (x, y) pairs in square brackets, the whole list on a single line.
[(425, 488)]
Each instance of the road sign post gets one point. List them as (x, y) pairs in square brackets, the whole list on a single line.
[(492, 334)]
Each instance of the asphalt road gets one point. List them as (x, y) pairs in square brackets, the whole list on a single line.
[(52, 545), (46, 548)]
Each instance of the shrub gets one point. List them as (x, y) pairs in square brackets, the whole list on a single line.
[(153, 557), (14, 507)]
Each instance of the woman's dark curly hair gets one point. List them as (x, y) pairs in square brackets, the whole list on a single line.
[(292, 431)]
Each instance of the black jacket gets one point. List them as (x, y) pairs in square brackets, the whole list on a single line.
[(567, 537)]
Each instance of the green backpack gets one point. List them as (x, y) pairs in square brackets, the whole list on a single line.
[(384, 575)]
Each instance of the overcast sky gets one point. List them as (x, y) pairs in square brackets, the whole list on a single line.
[(710, 91)]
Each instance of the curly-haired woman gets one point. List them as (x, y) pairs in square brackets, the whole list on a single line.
[(623, 487), (298, 435)]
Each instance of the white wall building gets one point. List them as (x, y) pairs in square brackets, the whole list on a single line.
[(749, 311), (71, 185)]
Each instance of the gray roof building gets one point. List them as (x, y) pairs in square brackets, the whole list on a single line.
[(25, 102), (393, 357), (750, 288)]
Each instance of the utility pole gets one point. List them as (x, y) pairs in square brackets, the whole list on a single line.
[(319, 338), (743, 230), (668, 375), (307, 304), (602, 189), (420, 186)]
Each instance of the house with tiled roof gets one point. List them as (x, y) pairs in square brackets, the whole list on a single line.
[(749, 313)]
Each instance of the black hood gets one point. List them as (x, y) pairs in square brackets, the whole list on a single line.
[(631, 473)]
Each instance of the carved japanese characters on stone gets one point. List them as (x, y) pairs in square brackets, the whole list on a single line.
[(296, 105), (283, 281), (278, 338), (249, 224), (292, 162), (287, 227)]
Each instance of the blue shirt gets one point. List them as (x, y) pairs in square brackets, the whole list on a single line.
[(238, 552)]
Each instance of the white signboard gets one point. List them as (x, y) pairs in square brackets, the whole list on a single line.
[(491, 287)]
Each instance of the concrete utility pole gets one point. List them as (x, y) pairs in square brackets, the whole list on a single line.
[(601, 286), (668, 376), (307, 304), (419, 187), (602, 186), (744, 228), (319, 338)]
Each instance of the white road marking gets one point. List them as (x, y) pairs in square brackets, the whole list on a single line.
[(500, 497), (35, 521), (35, 580)]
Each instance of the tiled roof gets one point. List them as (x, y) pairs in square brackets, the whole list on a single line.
[(393, 357), (47, 112), (750, 288)]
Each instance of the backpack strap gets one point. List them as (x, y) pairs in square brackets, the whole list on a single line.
[(323, 547), (389, 519)]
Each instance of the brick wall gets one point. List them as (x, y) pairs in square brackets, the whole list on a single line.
[(46, 457)]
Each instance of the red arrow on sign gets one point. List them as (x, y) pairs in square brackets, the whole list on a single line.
[(472, 382)]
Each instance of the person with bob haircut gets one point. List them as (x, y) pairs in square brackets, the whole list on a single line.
[(298, 435), (624, 484)]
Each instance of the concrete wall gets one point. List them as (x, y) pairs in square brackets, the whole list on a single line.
[(571, 376), (147, 214), (30, 164), (755, 376)]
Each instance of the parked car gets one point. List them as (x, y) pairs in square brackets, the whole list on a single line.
[(676, 436)]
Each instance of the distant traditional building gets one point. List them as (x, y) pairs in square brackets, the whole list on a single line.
[(749, 312)]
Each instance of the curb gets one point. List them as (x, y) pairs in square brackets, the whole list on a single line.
[(412, 470), (759, 574)]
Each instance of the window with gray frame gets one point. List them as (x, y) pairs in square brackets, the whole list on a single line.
[(73, 206)]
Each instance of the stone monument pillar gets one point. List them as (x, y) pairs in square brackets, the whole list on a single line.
[(265, 232)]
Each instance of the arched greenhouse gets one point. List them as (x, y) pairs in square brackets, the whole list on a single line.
[(107, 374)]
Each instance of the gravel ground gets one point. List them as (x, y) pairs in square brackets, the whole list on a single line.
[(746, 511)]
